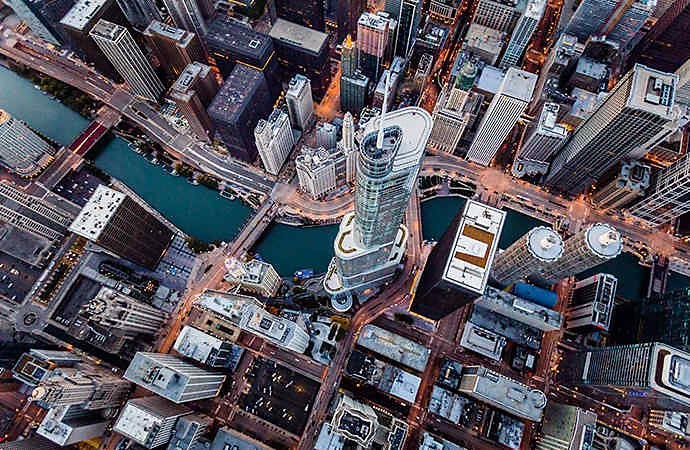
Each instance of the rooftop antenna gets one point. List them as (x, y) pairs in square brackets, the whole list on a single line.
[(384, 107)]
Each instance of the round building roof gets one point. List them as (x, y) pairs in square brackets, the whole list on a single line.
[(604, 240), (545, 243)]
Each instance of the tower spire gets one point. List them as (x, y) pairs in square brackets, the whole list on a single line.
[(384, 107)]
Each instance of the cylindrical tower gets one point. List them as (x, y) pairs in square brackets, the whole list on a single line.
[(588, 248), (535, 250)]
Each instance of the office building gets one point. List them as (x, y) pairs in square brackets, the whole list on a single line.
[(300, 103), (347, 147), (673, 422), (444, 10), (631, 183), (274, 140), (68, 425), (140, 13), (668, 199), (43, 17), (515, 308), (235, 111), (457, 270), (253, 276), (347, 14), (188, 430), (484, 42), (206, 349), (173, 378), (353, 92), (588, 248), (22, 151), (281, 331), (683, 85), (316, 171), (149, 421), (30, 443), (230, 42), (589, 75), (356, 421), (522, 33), (665, 319), (37, 365), (540, 144), (308, 13), (188, 15), (396, 72), (566, 427), (227, 438), (348, 57), (371, 241), (192, 92), (326, 135), (373, 33), (590, 18), (500, 15), (123, 53), (408, 18), (503, 393), (482, 341), (174, 48), (652, 374), (591, 304), (627, 122), (119, 224), (505, 109), (301, 50), (536, 249), (78, 23), (626, 30)]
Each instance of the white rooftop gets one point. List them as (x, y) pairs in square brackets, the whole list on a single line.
[(519, 84), (94, 216), (545, 244), (196, 344), (298, 35), (82, 13), (604, 240)]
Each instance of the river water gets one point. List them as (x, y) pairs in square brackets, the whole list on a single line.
[(202, 213)]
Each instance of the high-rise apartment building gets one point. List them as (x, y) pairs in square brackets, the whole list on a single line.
[(513, 95), (373, 34), (457, 270), (300, 102), (588, 248), (140, 13), (174, 48), (631, 183), (240, 103), (316, 171), (522, 33), (188, 15), (78, 23), (43, 17), (591, 305), (308, 13), (121, 225), (275, 140), (119, 47), (371, 241), (254, 276), (500, 15), (631, 117), (536, 249), (149, 421), (192, 92), (173, 378), (22, 151), (641, 374), (670, 197), (540, 144)]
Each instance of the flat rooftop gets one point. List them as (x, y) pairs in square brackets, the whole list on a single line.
[(299, 36), (141, 417), (189, 76), (227, 438), (516, 308), (97, 212), (168, 31), (229, 34), (653, 91), (236, 93), (485, 38), (107, 30), (196, 344), (371, 20), (475, 244), (519, 84), (394, 347), (82, 13)]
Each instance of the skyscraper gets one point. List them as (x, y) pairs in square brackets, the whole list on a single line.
[(408, 18), (513, 95), (347, 14), (173, 378), (206, 349), (373, 32), (124, 54), (591, 305), (540, 143), (174, 48), (586, 249), (274, 140), (188, 15), (21, 150), (120, 224), (536, 249), (371, 241), (625, 27), (500, 15), (638, 108), (670, 197), (140, 13), (300, 102), (457, 270), (316, 171), (348, 148), (353, 84), (522, 33), (642, 374), (666, 319), (43, 17), (253, 276), (192, 92), (68, 425), (589, 18), (566, 427), (631, 183), (308, 13), (149, 421)]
